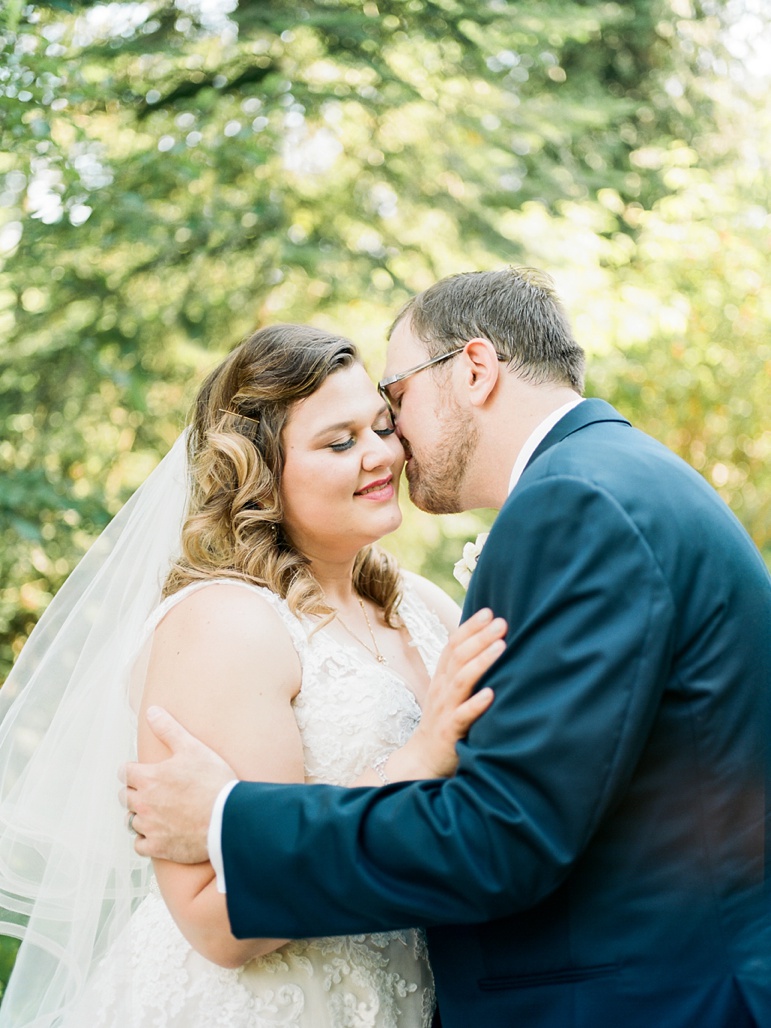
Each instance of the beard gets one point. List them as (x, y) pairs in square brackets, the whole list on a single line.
[(436, 480)]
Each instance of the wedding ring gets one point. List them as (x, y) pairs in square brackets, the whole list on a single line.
[(131, 827)]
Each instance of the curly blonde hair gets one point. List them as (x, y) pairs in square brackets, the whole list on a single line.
[(233, 526)]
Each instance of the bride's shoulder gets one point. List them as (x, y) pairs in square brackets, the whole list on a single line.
[(433, 597), (220, 606), (219, 656)]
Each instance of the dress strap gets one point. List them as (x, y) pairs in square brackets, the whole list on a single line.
[(294, 625), (427, 632)]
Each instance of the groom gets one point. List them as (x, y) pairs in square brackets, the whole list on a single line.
[(601, 857)]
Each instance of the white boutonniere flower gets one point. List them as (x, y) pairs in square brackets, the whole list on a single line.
[(465, 566)]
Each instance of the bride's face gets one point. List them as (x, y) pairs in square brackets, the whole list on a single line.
[(342, 464)]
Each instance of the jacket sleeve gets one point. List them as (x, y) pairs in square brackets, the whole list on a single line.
[(576, 691)]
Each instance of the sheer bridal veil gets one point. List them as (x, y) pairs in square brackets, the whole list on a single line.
[(69, 877)]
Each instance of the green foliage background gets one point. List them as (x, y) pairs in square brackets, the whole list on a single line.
[(174, 175)]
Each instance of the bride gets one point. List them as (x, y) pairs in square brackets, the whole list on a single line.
[(240, 589)]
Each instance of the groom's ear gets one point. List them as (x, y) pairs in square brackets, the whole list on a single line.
[(482, 370)]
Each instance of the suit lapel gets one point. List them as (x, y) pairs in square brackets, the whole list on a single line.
[(590, 412)]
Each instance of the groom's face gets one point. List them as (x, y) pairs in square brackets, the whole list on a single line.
[(438, 436)]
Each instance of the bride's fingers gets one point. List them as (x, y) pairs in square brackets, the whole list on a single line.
[(469, 638), (466, 677), (481, 638), (467, 713), (467, 628), (465, 634), (463, 655)]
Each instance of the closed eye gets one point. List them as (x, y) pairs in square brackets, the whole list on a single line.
[(396, 397), (388, 428)]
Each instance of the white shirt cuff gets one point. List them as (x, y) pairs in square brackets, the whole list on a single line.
[(214, 835)]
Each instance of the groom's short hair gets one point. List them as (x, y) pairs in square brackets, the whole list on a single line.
[(517, 309)]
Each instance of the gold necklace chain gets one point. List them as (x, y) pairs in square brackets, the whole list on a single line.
[(376, 652)]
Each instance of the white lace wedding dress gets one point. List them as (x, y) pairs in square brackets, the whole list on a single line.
[(350, 710)]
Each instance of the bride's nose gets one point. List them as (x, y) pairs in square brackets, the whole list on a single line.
[(381, 452)]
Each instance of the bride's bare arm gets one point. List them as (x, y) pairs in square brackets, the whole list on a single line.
[(223, 664)]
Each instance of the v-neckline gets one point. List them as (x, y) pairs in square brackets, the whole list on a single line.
[(368, 662)]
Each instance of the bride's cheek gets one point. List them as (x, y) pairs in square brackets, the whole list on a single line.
[(398, 451)]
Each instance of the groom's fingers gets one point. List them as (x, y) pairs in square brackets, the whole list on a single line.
[(169, 730), (130, 773)]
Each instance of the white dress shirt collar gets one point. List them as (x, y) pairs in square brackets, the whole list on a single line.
[(538, 434)]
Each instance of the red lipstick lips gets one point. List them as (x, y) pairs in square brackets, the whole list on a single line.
[(373, 487)]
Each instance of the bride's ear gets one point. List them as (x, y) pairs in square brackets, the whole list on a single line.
[(482, 370)]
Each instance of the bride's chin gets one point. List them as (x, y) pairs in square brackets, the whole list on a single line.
[(388, 526), (396, 523)]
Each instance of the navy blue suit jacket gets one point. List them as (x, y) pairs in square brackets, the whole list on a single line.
[(601, 858)]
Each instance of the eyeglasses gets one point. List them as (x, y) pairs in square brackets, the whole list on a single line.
[(385, 384), (394, 403)]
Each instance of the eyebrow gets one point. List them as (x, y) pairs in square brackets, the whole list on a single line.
[(342, 425), (333, 428)]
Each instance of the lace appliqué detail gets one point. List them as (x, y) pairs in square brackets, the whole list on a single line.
[(349, 711)]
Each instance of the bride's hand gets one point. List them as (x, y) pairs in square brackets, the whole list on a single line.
[(450, 708)]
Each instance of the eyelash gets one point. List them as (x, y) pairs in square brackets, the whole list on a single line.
[(342, 447)]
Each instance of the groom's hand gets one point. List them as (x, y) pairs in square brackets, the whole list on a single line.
[(171, 801)]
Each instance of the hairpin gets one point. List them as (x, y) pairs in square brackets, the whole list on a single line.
[(235, 414)]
